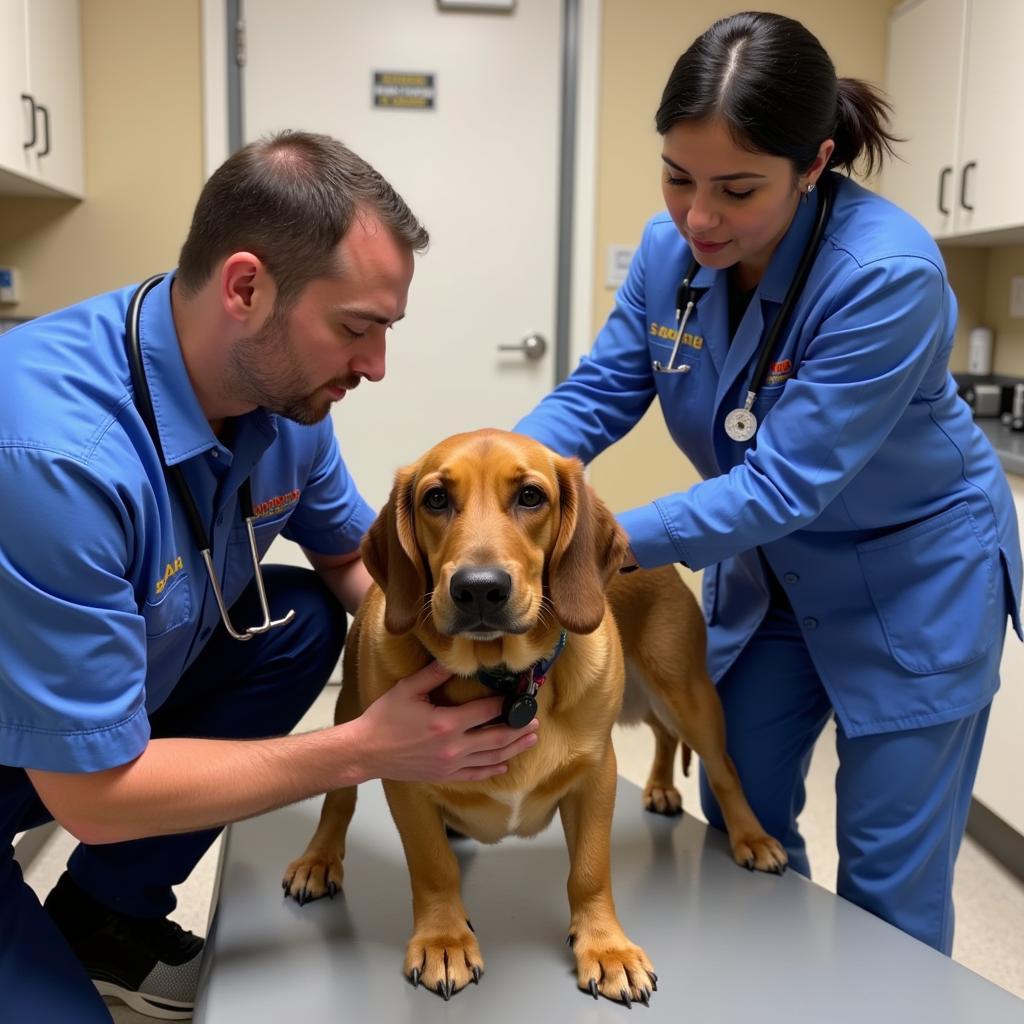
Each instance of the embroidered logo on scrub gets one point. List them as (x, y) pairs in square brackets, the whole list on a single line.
[(172, 569), (669, 334), (779, 373), (275, 506)]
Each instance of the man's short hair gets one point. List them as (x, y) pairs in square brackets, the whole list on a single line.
[(289, 199)]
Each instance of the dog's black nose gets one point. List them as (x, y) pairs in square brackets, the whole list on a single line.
[(481, 589)]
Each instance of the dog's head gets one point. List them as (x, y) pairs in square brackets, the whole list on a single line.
[(491, 535)]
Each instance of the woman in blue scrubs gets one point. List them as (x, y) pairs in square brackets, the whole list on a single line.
[(860, 549)]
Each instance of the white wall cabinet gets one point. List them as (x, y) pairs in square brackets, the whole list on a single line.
[(956, 82), (40, 98)]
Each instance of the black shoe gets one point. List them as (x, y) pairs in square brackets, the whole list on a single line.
[(152, 965)]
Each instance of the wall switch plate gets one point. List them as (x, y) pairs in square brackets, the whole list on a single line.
[(617, 265), (9, 292), (1017, 296)]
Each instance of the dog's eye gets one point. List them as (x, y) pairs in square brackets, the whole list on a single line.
[(531, 497), (436, 499)]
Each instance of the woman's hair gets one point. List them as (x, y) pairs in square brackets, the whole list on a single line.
[(289, 199), (771, 81)]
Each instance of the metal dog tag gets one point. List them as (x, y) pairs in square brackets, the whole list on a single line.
[(520, 710)]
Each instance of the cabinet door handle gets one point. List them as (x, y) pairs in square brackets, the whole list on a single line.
[(963, 184), (45, 151), (32, 110), (943, 175)]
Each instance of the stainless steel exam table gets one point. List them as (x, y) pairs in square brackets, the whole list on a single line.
[(727, 945)]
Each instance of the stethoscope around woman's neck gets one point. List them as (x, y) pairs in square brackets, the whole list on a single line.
[(741, 423)]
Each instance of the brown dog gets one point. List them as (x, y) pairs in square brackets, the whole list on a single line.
[(490, 547)]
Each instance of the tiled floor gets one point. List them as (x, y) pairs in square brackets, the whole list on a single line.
[(989, 900)]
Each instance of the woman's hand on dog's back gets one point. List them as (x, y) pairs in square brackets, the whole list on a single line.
[(403, 736)]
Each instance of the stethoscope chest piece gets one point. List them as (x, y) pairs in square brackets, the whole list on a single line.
[(740, 425)]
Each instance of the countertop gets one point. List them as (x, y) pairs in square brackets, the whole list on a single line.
[(1009, 444)]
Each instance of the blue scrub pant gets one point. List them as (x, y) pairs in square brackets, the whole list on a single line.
[(901, 797), (233, 690)]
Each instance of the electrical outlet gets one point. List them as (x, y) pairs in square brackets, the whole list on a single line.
[(1017, 296), (9, 292), (617, 264)]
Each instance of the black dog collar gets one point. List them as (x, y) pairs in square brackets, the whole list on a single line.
[(520, 688)]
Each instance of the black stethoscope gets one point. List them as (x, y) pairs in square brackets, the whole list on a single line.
[(741, 424), (144, 404)]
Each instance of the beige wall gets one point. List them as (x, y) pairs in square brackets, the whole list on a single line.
[(981, 280), (641, 41), (143, 159), (1001, 265), (143, 132)]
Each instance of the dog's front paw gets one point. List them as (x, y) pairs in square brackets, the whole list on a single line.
[(312, 876), (759, 852), (444, 961), (617, 970)]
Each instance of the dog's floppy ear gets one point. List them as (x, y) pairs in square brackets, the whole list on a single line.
[(393, 559), (588, 551)]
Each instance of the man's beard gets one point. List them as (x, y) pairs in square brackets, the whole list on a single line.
[(280, 387)]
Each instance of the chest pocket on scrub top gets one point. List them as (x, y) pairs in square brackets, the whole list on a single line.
[(238, 573), (659, 350), (170, 608)]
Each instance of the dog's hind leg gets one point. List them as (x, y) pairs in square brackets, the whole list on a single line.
[(693, 702), (660, 793)]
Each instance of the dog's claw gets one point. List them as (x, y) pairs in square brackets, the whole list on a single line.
[(570, 939), (645, 997), (749, 864), (469, 925), (593, 988), (624, 996), (442, 991), (415, 977), (476, 975)]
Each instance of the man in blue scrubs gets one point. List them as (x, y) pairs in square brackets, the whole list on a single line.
[(128, 712)]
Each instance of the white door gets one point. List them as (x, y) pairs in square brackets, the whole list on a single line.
[(479, 169)]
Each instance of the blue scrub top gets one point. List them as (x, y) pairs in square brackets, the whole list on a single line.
[(103, 595), (879, 505)]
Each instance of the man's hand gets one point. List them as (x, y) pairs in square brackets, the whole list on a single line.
[(402, 736)]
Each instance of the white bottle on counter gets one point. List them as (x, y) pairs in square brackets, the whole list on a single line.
[(979, 351)]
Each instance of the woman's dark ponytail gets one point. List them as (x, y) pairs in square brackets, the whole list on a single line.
[(862, 127)]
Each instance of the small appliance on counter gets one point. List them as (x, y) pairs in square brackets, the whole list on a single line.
[(1017, 409), (984, 399)]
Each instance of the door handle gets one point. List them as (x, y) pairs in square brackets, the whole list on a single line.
[(533, 346), (32, 112), (963, 184), (943, 175), (45, 151)]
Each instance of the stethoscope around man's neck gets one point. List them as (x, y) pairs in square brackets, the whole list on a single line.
[(741, 423), (144, 404)]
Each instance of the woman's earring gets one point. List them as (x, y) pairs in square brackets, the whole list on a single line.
[(810, 188)]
